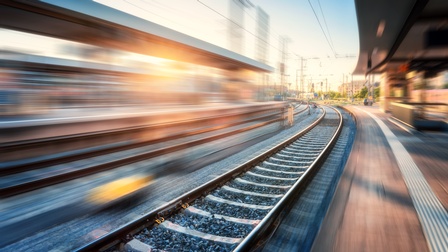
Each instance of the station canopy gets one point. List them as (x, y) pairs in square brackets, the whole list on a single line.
[(402, 35), (86, 21)]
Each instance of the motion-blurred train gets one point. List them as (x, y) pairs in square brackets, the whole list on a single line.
[(55, 74), (33, 84)]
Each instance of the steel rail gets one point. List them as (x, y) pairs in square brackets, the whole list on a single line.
[(126, 232), (74, 174), (252, 241), (17, 167)]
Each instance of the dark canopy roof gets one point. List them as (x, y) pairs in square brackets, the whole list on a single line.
[(402, 34), (89, 22)]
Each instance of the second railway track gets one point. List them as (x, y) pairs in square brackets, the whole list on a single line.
[(16, 178), (234, 211), (57, 204)]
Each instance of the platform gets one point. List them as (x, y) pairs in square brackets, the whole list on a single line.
[(393, 194), (63, 122)]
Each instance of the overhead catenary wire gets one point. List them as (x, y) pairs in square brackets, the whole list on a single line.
[(161, 5), (323, 31), (217, 12), (152, 13), (275, 35), (183, 25), (171, 9), (325, 22), (274, 31)]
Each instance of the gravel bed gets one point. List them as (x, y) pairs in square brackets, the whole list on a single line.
[(294, 158), (227, 210), (164, 240), (308, 147), (304, 143), (289, 162), (310, 137), (244, 198), (312, 214), (290, 151), (268, 181), (70, 235), (323, 131), (256, 188), (215, 226), (311, 140), (285, 169), (276, 174), (279, 167)]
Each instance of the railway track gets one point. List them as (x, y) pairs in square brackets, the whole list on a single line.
[(234, 211), (122, 139), (21, 177)]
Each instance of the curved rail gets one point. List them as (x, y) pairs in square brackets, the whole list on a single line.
[(17, 166), (39, 181), (126, 232), (271, 218), (51, 177)]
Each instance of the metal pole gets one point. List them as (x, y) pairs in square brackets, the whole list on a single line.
[(301, 77), (373, 88), (353, 94), (297, 88)]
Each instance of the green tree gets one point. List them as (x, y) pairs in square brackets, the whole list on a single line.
[(362, 93), (334, 95), (376, 92)]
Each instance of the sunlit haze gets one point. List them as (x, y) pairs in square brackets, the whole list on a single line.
[(330, 49), (223, 125)]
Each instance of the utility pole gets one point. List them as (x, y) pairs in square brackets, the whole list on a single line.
[(283, 43), (353, 94), (297, 88), (312, 85), (301, 77)]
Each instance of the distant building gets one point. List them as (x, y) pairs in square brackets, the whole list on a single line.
[(348, 89), (262, 35), (436, 89), (235, 26)]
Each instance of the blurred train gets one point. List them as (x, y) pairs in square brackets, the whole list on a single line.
[(33, 84), (55, 74), (118, 190)]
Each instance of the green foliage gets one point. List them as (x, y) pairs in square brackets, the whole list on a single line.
[(376, 92), (362, 94), (334, 95), (418, 85)]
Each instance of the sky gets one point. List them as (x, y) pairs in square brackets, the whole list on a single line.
[(330, 50), (298, 21)]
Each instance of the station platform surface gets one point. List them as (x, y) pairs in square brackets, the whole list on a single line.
[(393, 194), (72, 121)]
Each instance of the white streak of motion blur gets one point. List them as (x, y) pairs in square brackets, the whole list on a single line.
[(71, 75)]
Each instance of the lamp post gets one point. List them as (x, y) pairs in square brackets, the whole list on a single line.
[(297, 88), (353, 94), (302, 75), (282, 84)]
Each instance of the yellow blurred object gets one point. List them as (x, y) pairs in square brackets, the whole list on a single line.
[(118, 189)]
